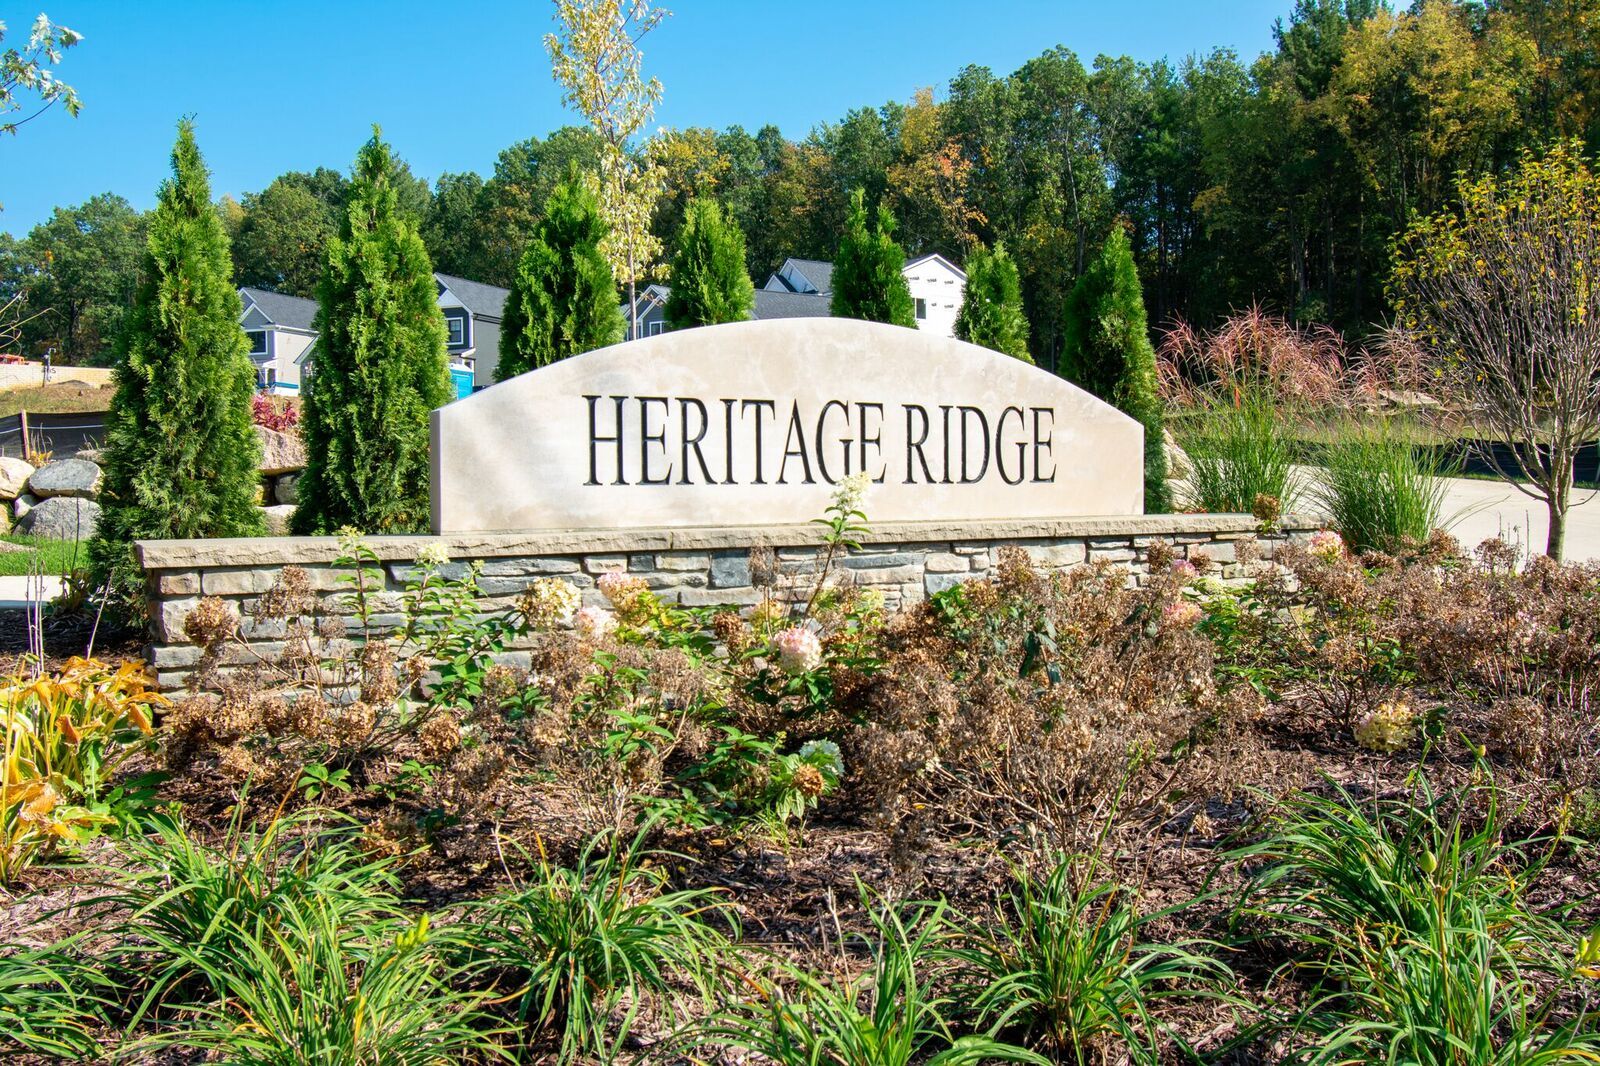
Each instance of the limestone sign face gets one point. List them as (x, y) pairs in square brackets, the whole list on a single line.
[(754, 423)]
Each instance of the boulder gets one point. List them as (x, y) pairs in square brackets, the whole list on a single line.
[(23, 504), (278, 519), (283, 490), (281, 453), (61, 518), (1178, 466), (14, 474), (66, 477)]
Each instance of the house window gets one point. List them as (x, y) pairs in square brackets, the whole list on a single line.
[(258, 341), (655, 328), (266, 377), (922, 307), (457, 325)]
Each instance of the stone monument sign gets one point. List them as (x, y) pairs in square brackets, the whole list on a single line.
[(754, 422)]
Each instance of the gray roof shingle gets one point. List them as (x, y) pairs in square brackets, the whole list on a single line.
[(293, 312), (816, 271), (791, 305), (484, 301)]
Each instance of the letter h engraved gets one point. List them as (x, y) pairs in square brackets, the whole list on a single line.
[(595, 440)]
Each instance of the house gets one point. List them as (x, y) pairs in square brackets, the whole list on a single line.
[(280, 331), (769, 304), (803, 288), (283, 338), (472, 314)]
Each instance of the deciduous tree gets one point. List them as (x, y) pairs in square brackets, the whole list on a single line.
[(1503, 297), (181, 454), (378, 369), (596, 59), (28, 81)]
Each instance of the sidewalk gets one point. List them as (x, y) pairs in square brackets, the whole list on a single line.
[(14, 591)]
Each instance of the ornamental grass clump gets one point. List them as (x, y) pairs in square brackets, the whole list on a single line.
[(1381, 487), (194, 907), (311, 989)]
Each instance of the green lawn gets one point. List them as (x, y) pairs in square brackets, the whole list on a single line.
[(67, 397), (57, 556)]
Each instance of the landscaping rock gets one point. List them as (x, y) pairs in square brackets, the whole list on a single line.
[(284, 489), (14, 475), (281, 453), (1178, 466), (278, 519), (66, 477), (61, 518), (23, 504)]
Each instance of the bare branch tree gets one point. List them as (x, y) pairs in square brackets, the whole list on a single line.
[(1501, 296)]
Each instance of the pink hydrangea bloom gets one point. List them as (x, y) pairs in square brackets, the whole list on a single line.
[(1183, 568), (797, 649), (592, 623), (1182, 614), (1326, 544)]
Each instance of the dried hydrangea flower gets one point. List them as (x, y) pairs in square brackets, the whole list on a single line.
[(549, 602)]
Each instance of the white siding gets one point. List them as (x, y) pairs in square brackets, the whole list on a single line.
[(940, 286)]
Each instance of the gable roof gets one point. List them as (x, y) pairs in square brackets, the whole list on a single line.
[(819, 273), (935, 256), (484, 301), (281, 309)]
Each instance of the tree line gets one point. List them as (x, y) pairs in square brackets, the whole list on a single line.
[(1280, 181)]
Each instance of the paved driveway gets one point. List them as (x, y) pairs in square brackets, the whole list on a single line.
[(1483, 509), (1477, 510)]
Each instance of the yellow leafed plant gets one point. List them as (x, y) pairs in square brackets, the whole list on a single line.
[(64, 736)]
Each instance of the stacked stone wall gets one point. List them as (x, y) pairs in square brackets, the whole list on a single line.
[(906, 562)]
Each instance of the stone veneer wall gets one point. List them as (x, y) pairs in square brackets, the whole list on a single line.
[(694, 567)]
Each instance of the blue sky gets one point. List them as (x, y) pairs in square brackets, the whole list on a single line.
[(292, 85)]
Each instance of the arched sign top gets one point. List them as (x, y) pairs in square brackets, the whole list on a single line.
[(754, 423)]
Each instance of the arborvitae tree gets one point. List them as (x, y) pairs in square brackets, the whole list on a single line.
[(564, 299), (378, 368), (868, 270), (709, 282), (1107, 351), (181, 454), (991, 308)]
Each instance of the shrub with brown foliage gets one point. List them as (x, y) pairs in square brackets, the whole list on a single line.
[(1032, 704)]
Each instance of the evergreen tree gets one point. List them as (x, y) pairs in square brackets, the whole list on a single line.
[(1107, 352), (991, 308), (868, 278), (709, 283), (181, 454), (378, 369), (563, 299)]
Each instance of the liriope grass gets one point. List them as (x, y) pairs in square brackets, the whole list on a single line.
[(890, 1014), (1067, 965), (1413, 917), (580, 951)]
